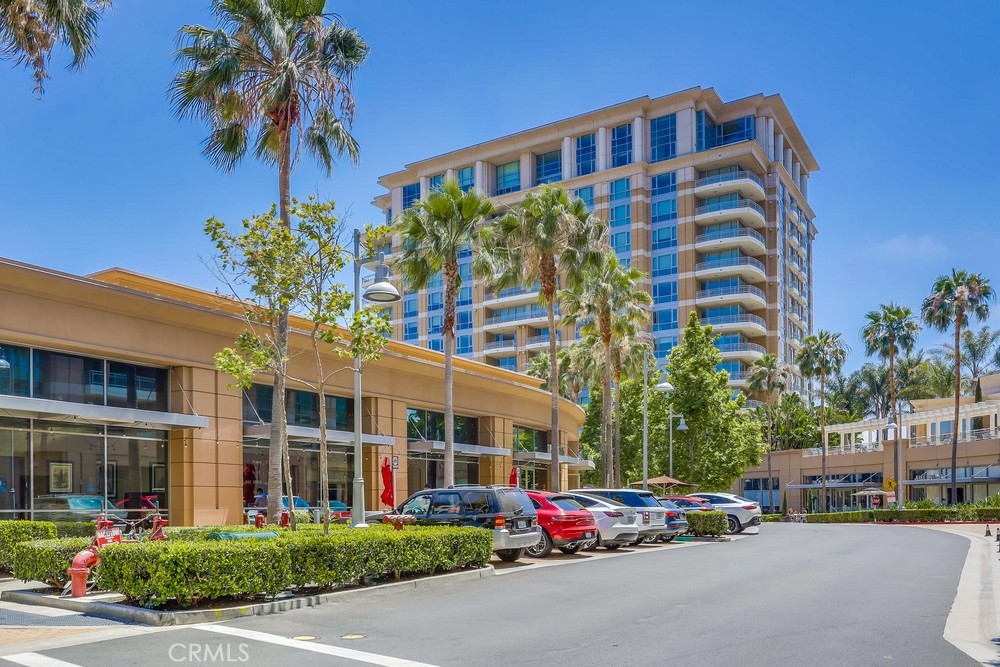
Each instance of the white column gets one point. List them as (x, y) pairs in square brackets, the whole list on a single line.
[(479, 174), (686, 131), (804, 185), (602, 148), (788, 160), (779, 146), (425, 186), (797, 174), (769, 147), (396, 201), (449, 174), (567, 158), (760, 131), (527, 171), (638, 140)]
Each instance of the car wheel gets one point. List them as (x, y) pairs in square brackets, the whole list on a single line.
[(639, 541), (591, 546), (668, 539), (734, 525), (652, 539), (542, 548), (570, 550), (510, 555), (611, 547)]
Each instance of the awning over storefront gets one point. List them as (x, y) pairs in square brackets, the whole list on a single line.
[(41, 408), (308, 434), (829, 485), (460, 448), (947, 480)]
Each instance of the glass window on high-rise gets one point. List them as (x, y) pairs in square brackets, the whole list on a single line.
[(436, 182), (663, 138), (587, 195), (411, 331), (508, 177), (548, 167), (508, 363), (665, 237), (663, 184), (411, 195), (621, 145), (664, 344), (709, 135), (410, 307), (586, 155), (620, 214), (665, 292), (665, 320), (622, 241), (465, 271), (620, 189), (436, 344), (665, 265), (434, 324), (463, 320), (466, 177), (464, 344), (663, 211), (464, 297), (435, 300)]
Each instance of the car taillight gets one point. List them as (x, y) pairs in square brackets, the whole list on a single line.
[(500, 522), (644, 515), (749, 507), (613, 515), (671, 515)]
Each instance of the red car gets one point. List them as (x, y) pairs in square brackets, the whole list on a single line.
[(565, 523)]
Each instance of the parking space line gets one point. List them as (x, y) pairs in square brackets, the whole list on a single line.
[(36, 660), (326, 649)]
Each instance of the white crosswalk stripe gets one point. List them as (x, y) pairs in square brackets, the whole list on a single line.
[(38, 610), (36, 660)]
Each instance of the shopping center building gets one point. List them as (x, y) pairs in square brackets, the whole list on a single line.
[(109, 394), (708, 198), (860, 455)]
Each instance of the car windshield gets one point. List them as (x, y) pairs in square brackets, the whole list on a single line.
[(670, 505), (565, 503), (590, 501), (515, 501), (93, 503), (744, 500)]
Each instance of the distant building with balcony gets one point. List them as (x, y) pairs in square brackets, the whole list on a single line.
[(708, 198)]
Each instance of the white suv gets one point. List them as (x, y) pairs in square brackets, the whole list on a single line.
[(742, 513)]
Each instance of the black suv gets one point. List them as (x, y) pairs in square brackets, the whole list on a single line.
[(505, 510)]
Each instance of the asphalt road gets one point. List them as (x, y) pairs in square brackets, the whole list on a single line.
[(793, 595)]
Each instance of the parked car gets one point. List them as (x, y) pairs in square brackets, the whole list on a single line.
[(617, 523), (652, 518), (675, 518), (689, 504), (505, 510), (68, 507), (742, 513), (564, 523)]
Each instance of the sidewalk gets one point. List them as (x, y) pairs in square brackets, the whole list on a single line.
[(23, 623)]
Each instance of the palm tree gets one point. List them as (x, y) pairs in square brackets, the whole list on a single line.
[(980, 354), (890, 330), (627, 355), (434, 231), (274, 75), (607, 292), (770, 376), (821, 355), (952, 300), (872, 381), (29, 30), (547, 236)]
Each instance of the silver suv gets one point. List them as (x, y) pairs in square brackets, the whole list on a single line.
[(742, 513), (652, 518)]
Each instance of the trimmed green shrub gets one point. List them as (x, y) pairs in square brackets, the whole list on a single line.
[(770, 518), (47, 560), (12, 532), (707, 523), (930, 515), (75, 528), (152, 573)]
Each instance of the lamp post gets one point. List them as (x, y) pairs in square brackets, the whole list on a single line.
[(380, 291), (665, 388), (897, 454)]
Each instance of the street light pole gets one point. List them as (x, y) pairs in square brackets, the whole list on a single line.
[(645, 419), (381, 291)]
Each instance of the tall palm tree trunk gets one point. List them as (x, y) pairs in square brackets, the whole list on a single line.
[(618, 431), (770, 446), (276, 450), (897, 445), (822, 433), (451, 277), (554, 481), (958, 399), (606, 396)]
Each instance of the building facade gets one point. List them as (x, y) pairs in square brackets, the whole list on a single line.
[(109, 396), (860, 455), (708, 198)]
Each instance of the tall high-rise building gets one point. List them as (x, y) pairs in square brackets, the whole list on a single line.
[(708, 198)]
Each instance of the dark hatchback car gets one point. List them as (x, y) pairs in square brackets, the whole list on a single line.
[(506, 511)]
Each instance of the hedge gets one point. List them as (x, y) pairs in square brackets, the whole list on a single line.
[(75, 528), (47, 560), (935, 515), (770, 518), (12, 532), (153, 573), (707, 523)]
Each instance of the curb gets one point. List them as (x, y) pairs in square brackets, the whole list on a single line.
[(120, 612)]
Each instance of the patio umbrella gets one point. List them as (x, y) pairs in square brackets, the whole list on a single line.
[(388, 493), (663, 482), (513, 476)]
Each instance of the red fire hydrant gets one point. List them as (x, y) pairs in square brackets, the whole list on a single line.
[(260, 520), (284, 520)]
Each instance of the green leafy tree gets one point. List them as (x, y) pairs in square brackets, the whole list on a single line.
[(274, 76), (980, 352), (627, 355), (769, 377), (606, 293), (889, 331), (547, 236), (578, 365), (30, 29), (723, 441), (953, 300), (822, 355), (434, 231)]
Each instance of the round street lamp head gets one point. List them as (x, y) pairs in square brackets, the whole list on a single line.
[(892, 422), (664, 387), (682, 426), (381, 292)]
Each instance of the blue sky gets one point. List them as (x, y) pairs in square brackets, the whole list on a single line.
[(896, 99)]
